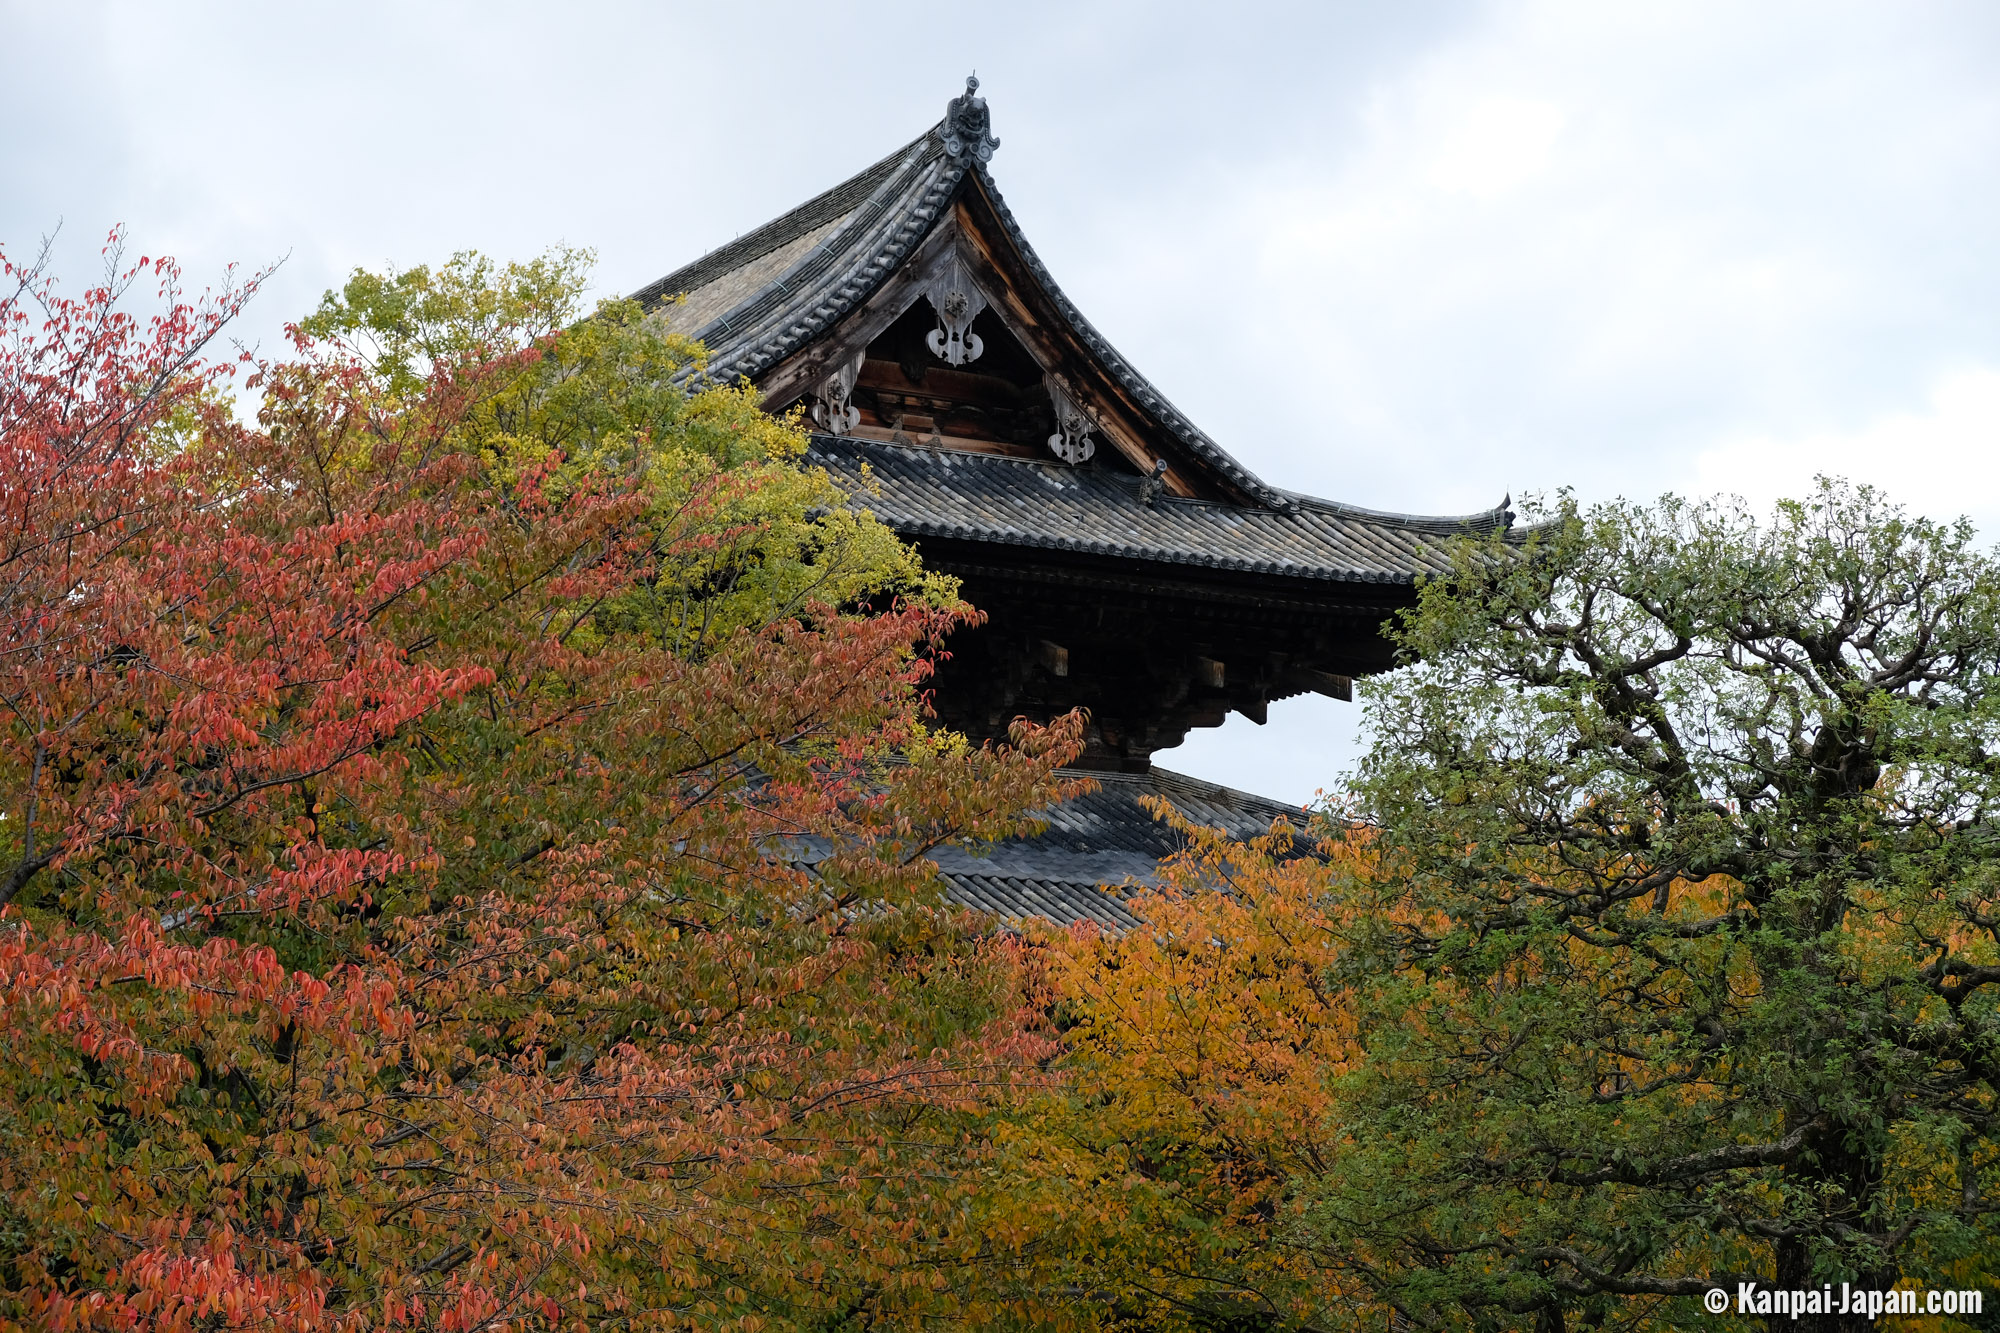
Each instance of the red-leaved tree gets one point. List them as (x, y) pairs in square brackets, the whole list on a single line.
[(463, 867)]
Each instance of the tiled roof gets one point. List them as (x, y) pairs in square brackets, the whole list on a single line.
[(1097, 848), (1021, 898), (927, 492), (866, 227), (767, 295), (813, 216)]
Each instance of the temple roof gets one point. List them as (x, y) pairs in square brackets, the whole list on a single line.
[(1128, 565), (729, 292), (786, 304)]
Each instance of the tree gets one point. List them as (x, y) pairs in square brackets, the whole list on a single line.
[(1201, 1051), (466, 852), (1679, 964)]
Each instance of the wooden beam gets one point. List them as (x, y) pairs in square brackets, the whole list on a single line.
[(1332, 686), (1209, 672), (1055, 657)]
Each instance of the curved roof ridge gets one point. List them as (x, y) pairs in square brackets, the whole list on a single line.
[(844, 197), (1190, 435), (1500, 516), (1197, 440), (874, 228), (1199, 788), (877, 219), (926, 492), (825, 284)]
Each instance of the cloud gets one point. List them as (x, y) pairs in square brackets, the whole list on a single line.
[(1578, 244), (1494, 147), (1942, 459), (1408, 255), (1629, 249)]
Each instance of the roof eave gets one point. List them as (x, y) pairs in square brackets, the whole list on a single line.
[(1149, 398)]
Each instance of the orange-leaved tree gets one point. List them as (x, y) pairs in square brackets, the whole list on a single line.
[(1202, 1050), (464, 868)]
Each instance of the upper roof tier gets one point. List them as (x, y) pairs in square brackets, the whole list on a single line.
[(905, 307)]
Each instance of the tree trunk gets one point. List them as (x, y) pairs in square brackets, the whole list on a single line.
[(1858, 1175)]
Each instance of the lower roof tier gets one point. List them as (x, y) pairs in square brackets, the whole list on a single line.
[(1101, 850)]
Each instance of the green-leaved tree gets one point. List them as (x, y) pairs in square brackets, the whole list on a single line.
[(1680, 967)]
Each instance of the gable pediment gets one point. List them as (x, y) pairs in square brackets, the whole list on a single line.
[(908, 294), (950, 351)]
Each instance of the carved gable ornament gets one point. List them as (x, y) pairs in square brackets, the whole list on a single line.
[(1074, 422), (968, 128), (958, 301), (833, 412)]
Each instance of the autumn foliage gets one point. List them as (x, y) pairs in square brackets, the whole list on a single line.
[(1202, 1053), (465, 800), (1655, 950), (464, 857)]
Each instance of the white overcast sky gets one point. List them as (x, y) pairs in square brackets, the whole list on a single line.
[(1411, 255)]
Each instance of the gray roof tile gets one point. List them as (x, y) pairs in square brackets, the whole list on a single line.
[(1099, 851), (927, 492)]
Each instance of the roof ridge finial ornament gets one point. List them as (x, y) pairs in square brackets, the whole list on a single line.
[(967, 126)]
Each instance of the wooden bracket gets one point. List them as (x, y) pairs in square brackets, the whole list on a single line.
[(1332, 686)]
